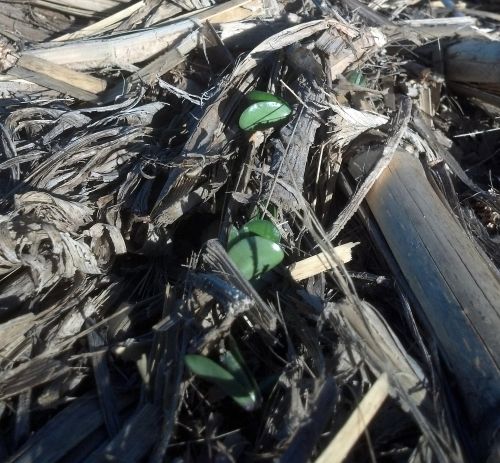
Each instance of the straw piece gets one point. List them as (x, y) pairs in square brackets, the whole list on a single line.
[(103, 25), (134, 47), (59, 78), (320, 262), (344, 440)]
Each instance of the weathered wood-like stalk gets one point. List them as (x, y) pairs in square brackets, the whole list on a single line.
[(457, 287)]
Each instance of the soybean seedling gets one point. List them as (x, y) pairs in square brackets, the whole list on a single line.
[(265, 111), (255, 248), (234, 379)]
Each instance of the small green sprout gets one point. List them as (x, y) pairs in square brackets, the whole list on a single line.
[(255, 248), (264, 228), (255, 255), (234, 380), (265, 111), (356, 78), (256, 96)]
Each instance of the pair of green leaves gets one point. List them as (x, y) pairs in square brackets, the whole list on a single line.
[(356, 77), (255, 248), (233, 378), (265, 111)]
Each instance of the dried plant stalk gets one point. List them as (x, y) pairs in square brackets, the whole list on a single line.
[(319, 263), (344, 440)]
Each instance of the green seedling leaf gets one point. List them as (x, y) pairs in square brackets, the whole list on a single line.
[(235, 352), (232, 236), (210, 371), (273, 210), (256, 96), (264, 114), (231, 364), (255, 255), (229, 360), (356, 77), (264, 228)]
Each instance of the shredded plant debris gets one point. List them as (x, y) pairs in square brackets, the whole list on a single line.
[(252, 230)]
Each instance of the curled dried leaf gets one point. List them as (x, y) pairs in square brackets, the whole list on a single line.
[(107, 242), (69, 215)]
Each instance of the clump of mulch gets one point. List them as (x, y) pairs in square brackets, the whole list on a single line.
[(123, 173)]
